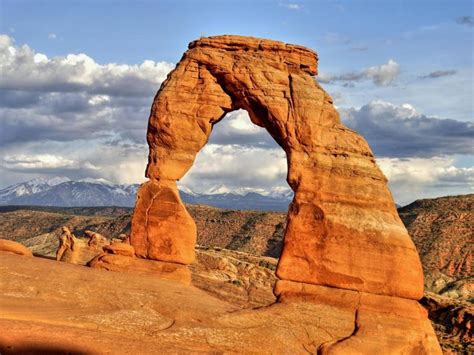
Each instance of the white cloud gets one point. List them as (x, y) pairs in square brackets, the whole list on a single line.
[(240, 122), (412, 178), (41, 162), (73, 97), (52, 36), (380, 75), (237, 167), (384, 74), (294, 6), (291, 6), (237, 128), (24, 69), (99, 100)]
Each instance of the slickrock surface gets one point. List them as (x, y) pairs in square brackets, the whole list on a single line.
[(127, 264), (10, 246), (235, 277), (250, 283), (343, 229), (52, 307)]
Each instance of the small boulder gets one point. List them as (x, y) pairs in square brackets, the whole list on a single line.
[(118, 248)]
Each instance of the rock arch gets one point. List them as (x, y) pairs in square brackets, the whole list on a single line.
[(343, 228)]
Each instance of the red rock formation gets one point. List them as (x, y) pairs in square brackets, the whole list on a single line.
[(343, 229)]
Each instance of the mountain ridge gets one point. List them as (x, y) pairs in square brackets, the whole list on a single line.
[(63, 192)]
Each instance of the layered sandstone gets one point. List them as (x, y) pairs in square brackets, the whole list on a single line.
[(343, 229)]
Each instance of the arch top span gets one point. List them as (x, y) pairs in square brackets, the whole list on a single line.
[(343, 229), (299, 56)]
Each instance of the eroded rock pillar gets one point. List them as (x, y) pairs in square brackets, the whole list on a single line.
[(164, 231), (185, 108)]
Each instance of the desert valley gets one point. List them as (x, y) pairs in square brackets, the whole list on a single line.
[(236, 259)]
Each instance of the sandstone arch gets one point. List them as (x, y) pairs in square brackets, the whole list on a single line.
[(343, 229)]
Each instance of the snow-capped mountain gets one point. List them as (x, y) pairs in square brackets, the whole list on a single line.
[(277, 192), (30, 187), (63, 192)]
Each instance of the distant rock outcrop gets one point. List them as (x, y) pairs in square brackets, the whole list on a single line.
[(78, 250), (343, 238), (443, 232)]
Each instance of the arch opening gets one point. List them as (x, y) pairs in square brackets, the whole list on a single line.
[(242, 171)]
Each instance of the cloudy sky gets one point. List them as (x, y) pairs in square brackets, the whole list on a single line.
[(77, 79)]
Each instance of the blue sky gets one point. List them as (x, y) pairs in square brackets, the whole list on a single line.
[(387, 64)]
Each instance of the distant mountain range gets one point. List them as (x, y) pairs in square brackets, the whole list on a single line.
[(63, 192)]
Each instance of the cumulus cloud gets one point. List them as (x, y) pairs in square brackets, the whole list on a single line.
[(52, 36), (438, 74), (236, 128), (95, 158), (72, 97), (237, 166), (380, 75), (43, 163), (401, 131), (24, 69), (410, 178)]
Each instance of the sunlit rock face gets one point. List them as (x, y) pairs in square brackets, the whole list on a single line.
[(343, 229)]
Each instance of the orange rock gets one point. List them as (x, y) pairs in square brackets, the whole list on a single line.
[(79, 251), (122, 263), (10, 246), (82, 310), (343, 228), (162, 229), (394, 324), (120, 249), (96, 240)]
